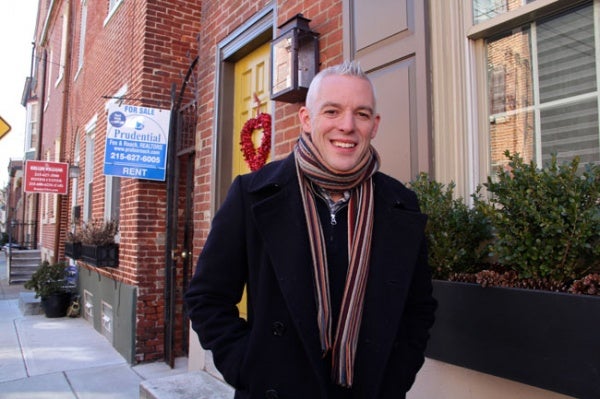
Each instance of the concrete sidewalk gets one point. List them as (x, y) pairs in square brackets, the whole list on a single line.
[(66, 357)]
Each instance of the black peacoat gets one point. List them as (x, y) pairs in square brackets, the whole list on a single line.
[(259, 239)]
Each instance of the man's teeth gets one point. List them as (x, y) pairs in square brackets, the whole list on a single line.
[(343, 145)]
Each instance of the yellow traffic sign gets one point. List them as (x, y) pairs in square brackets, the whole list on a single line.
[(4, 127)]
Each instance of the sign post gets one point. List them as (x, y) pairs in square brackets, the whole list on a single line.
[(136, 142)]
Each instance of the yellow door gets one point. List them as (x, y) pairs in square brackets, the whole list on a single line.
[(251, 88), (251, 91)]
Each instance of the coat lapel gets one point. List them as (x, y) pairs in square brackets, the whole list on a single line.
[(279, 213), (395, 248)]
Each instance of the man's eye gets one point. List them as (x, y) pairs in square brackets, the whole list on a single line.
[(330, 112), (364, 115)]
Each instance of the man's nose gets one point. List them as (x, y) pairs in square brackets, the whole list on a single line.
[(346, 122)]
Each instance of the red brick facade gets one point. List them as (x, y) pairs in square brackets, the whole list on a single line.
[(143, 46), (137, 51)]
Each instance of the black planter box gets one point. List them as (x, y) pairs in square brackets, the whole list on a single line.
[(545, 339), (73, 250), (100, 255)]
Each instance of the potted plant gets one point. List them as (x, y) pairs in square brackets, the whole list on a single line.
[(523, 305), (98, 246), (49, 282)]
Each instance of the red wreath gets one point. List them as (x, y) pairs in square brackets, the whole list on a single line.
[(256, 158)]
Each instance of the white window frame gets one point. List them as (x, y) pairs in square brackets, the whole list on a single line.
[(90, 138), (479, 96), (112, 192), (63, 46), (82, 35), (113, 6)]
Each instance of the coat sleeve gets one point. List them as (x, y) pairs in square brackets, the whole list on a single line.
[(217, 287)]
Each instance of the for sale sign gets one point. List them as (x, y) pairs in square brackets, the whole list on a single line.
[(136, 142), (44, 177)]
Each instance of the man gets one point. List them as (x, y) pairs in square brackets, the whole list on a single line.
[(334, 259)]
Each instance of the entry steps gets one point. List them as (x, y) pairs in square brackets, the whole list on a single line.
[(22, 263)]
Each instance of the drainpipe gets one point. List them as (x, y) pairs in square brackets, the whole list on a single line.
[(38, 145), (65, 112)]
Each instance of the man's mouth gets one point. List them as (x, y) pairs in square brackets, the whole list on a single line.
[(343, 144)]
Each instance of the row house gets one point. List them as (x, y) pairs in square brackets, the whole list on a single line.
[(91, 56), (458, 83)]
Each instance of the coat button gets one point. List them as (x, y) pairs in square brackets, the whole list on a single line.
[(271, 394), (278, 328)]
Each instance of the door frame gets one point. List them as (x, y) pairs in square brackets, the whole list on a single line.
[(255, 32)]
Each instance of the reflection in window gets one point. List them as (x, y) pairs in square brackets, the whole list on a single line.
[(488, 9), (545, 74)]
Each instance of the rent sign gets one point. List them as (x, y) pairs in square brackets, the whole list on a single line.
[(136, 142)]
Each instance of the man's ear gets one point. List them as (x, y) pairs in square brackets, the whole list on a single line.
[(375, 126), (304, 116)]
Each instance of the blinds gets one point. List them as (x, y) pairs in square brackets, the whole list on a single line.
[(566, 68)]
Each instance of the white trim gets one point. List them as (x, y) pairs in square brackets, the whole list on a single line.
[(112, 10)]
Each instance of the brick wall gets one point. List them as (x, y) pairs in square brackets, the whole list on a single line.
[(144, 46), (220, 19)]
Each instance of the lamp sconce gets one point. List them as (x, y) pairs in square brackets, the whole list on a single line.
[(74, 171), (294, 60)]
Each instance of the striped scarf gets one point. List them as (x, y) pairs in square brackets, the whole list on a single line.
[(311, 167)]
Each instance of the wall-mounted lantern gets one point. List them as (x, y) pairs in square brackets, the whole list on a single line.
[(74, 171), (294, 60)]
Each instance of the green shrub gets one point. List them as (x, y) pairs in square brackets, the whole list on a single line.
[(457, 235), (546, 221), (48, 279)]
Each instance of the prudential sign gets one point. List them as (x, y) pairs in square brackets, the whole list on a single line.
[(136, 142)]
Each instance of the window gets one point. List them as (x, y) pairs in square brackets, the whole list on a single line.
[(88, 188), (31, 134), (545, 75), (63, 47), (82, 32), (112, 194), (49, 65), (113, 5)]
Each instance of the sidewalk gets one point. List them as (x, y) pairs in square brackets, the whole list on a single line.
[(63, 358)]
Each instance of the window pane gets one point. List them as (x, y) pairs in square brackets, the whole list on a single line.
[(542, 90), (566, 55), (510, 84), (570, 131), (488, 9)]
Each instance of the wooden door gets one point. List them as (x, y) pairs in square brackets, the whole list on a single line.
[(251, 93)]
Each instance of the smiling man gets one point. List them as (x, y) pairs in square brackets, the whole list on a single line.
[(334, 258)]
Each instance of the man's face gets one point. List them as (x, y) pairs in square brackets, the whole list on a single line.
[(342, 121)]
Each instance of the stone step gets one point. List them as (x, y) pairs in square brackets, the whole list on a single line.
[(29, 304), (194, 384)]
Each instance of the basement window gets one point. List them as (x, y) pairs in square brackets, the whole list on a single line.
[(88, 306), (107, 321)]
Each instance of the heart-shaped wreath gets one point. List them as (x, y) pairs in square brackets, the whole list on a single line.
[(256, 158)]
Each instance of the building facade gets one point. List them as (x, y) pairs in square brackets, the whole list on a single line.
[(458, 83)]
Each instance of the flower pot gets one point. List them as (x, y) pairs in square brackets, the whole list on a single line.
[(545, 339), (56, 305)]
